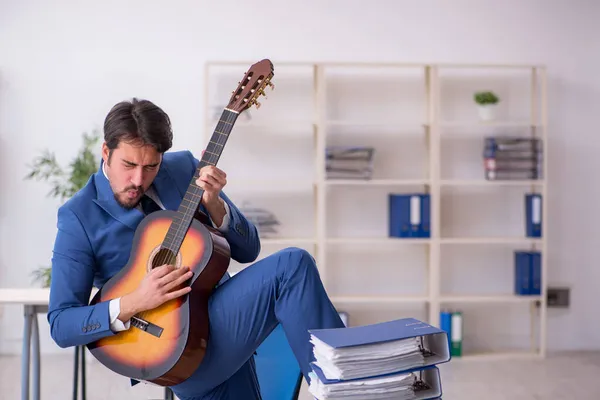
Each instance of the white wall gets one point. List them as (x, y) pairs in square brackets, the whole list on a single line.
[(62, 66)]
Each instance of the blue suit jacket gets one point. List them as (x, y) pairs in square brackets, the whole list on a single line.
[(94, 241)]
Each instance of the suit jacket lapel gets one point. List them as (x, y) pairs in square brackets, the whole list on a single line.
[(166, 189), (105, 198)]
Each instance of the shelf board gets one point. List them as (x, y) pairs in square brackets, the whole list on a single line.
[(409, 240), (378, 299), (499, 355), (479, 298), (499, 123), (376, 182), (269, 185), (281, 124), (247, 63), (378, 123), (241, 183), (377, 240), (484, 182), (382, 64), (490, 65), (287, 241), (491, 240), (369, 64)]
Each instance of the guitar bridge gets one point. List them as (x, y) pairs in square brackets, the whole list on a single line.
[(146, 326)]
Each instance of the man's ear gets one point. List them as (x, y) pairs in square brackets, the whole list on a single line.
[(105, 153)]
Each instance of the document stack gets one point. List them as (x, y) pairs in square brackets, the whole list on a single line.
[(390, 360), (513, 158), (265, 221), (344, 162)]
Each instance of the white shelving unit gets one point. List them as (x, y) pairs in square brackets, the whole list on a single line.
[(423, 123)]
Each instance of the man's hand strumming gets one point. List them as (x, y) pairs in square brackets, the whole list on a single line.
[(162, 284)]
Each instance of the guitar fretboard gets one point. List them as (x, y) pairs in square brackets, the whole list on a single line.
[(193, 196)]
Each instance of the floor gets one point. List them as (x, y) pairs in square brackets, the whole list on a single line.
[(561, 376)]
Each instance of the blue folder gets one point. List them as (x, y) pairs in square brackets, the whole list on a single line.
[(446, 324), (533, 215), (536, 273), (409, 215), (528, 272), (522, 273)]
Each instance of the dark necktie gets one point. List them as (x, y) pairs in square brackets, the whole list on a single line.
[(149, 205)]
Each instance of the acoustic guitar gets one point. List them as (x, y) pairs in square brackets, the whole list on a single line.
[(167, 344)]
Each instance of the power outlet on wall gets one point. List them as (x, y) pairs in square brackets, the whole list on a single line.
[(558, 297)]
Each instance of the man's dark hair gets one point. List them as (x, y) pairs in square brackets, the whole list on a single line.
[(138, 120)]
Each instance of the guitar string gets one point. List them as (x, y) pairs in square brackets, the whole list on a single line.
[(229, 118), (180, 229), (169, 254)]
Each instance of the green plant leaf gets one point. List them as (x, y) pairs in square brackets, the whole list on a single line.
[(64, 183), (485, 97), (43, 275)]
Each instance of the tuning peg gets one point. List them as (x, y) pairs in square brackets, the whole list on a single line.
[(257, 104), (271, 85)]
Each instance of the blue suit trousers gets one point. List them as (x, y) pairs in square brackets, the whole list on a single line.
[(285, 288)]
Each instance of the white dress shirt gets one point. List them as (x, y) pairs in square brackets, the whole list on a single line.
[(114, 306)]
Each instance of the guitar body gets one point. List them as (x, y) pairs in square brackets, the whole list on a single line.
[(167, 344), (174, 345)]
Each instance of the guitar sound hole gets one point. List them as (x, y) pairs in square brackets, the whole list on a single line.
[(164, 256)]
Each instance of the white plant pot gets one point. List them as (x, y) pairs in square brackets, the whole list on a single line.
[(487, 112)]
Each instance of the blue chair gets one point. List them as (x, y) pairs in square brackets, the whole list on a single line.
[(279, 374)]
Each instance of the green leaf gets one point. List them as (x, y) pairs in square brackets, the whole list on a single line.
[(43, 275), (486, 97), (64, 182)]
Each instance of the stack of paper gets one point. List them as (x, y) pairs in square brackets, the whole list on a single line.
[(367, 360), (265, 221), (349, 162), (513, 158), (390, 360), (393, 387)]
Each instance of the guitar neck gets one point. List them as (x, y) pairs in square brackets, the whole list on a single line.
[(211, 156), (193, 196)]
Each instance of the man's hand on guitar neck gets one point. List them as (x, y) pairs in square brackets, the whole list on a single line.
[(159, 286), (213, 180)]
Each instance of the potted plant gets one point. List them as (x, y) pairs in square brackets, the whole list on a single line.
[(486, 102), (65, 183)]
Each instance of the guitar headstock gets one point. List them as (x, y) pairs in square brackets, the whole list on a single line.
[(252, 86)]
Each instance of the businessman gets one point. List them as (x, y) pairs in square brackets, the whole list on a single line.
[(138, 175)]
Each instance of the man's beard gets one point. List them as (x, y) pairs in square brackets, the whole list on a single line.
[(129, 206)]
